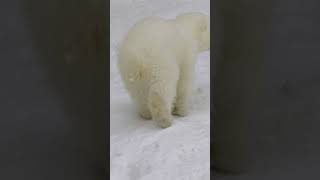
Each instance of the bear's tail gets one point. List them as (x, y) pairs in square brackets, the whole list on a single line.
[(139, 73)]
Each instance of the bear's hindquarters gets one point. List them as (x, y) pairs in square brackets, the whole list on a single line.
[(162, 94)]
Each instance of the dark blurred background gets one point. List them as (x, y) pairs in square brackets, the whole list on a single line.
[(266, 89), (54, 89)]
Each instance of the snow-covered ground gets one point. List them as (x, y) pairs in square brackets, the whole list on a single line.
[(139, 149)]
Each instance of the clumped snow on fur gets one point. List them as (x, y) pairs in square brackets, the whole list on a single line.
[(139, 149)]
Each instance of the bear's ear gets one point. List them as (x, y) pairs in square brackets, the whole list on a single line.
[(203, 26)]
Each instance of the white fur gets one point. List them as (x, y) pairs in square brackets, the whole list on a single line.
[(157, 61)]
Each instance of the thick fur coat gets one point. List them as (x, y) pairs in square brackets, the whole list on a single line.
[(157, 63)]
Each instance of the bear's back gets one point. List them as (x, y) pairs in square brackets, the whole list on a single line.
[(152, 31)]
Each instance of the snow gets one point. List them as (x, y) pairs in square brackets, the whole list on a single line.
[(139, 149)]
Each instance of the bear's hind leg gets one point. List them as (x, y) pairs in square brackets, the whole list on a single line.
[(139, 92), (160, 103)]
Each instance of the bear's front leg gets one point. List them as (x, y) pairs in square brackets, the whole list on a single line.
[(184, 90)]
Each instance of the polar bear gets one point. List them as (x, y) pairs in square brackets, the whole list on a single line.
[(157, 60)]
